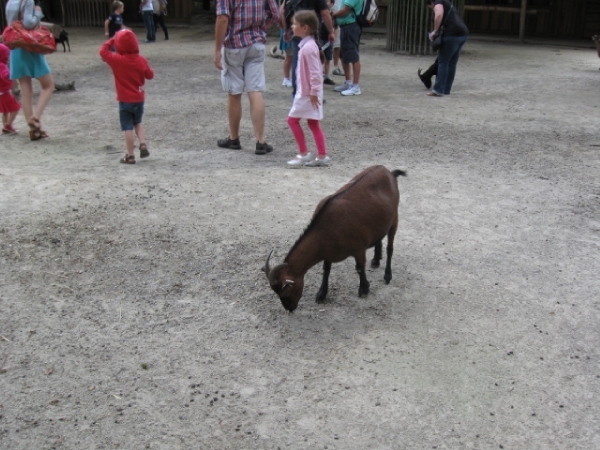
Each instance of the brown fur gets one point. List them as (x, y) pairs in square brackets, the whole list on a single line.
[(358, 216)]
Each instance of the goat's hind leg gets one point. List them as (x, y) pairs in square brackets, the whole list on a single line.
[(363, 288), (389, 251), (376, 256), (325, 283)]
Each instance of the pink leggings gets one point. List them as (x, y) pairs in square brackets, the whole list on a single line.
[(315, 128)]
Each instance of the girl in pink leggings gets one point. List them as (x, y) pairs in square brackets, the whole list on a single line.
[(308, 102)]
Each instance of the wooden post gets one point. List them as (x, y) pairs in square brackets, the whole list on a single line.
[(522, 21), (62, 12)]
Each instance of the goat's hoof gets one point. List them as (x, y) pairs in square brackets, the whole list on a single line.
[(374, 264), (321, 296), (387, 278), (363, 291)]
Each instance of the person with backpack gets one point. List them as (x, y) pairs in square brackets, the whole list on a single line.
[(287, 11), (350, 32)]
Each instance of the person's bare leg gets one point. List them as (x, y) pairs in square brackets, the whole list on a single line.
[(287, 66), (336, 57), (11, 118), (47, 86), (129, 142), (347, 74), (257, 113), (234, 112), (141, 134), (356, 72), (26, 97)]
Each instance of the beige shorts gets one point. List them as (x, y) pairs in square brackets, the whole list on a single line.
[(243, 69)]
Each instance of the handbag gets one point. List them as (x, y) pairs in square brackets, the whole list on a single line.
[(438, 40), (37, 40)]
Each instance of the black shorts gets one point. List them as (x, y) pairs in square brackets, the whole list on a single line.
[(349, 40)]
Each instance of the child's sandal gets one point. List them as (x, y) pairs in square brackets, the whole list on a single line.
[(144, 153), (128, 159)]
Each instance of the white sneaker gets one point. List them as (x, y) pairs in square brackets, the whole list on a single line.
[(353, 90), (338, 71), (343, 87), (299, 160), (319, 162), (287, 82)]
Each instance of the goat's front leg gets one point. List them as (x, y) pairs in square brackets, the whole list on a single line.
[(325, 283), (376, 256), (363, 288)]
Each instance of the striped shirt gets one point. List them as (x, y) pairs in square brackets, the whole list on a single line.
[(248, 21)]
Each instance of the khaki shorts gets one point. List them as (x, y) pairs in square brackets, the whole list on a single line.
[(243, 69)]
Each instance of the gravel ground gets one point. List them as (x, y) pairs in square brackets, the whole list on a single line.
[(134, 315)]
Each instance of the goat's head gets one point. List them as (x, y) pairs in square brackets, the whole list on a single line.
[(289, 288)]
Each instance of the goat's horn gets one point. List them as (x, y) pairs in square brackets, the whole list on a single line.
[(267, 268)]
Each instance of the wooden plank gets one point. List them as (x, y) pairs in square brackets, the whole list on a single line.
[(522, 21), (505, 9)]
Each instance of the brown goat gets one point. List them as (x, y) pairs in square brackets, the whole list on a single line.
[(357, 217)]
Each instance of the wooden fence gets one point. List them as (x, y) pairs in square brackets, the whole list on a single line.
[(85, 13), (408, 22)]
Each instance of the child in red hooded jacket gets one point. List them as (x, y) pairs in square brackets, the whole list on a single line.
[(130, 70), (9, 106)]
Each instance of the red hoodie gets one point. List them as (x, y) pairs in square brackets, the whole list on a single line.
[(130, 69)]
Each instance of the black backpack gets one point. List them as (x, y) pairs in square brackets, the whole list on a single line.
[(290, 8), (368, 15)]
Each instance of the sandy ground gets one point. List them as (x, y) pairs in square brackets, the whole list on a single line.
[(134, 315)]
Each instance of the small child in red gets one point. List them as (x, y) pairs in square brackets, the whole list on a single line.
[(9, 106), (130, 70)]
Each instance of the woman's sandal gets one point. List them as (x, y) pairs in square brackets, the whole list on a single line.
[(128, 159), (36, 135), (144, 153), (35, 129)]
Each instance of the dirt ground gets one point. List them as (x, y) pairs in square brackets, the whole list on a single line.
[(134, 315)]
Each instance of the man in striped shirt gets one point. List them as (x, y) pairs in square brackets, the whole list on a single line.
[(240, 37)]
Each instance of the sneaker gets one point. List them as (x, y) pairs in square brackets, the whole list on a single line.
[(327, 80), (343, 87), (287, 82), (338, 71), (233, 144), (262, 149), (319, 162), (353, 90), (9, 129), (299, 160)]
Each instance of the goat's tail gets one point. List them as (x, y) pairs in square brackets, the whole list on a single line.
[(398, 172)]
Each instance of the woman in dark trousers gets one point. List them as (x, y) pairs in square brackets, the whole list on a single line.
[(160, 12), (455, 35)]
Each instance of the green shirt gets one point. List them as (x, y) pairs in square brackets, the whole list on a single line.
[(355, 7)]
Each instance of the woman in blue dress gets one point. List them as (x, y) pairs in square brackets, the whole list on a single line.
[(25, 66)]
